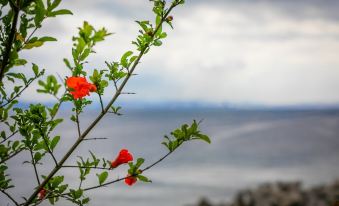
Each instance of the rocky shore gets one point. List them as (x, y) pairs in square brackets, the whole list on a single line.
[(284, 194)]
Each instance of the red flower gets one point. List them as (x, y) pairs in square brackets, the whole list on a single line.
[(123, 157), (130, 180), (42, 194), (79, 87)]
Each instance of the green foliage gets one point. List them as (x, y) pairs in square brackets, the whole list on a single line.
[(5, 181), (35, 125), (83, 46), (134, 170), (102, 177), (51, 86), (183, 134), (32, 14), (97, 79), (55, 187), (115, 72)]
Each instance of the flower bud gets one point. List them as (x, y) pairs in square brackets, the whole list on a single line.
[(169, 18), (123, 157)]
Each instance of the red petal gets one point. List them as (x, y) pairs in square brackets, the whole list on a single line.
[(130, 180), (72, 82), (123, 157)]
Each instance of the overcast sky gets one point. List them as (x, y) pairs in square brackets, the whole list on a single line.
[(274, 53)]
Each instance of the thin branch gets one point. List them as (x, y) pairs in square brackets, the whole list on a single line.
[(128, 93), (11, 155), (47, 145), (99, 117), (116, 180), (84, 167), (59, 105), (115, 85), (10, 41), (19, 93), (97, 138), (28, 38), (49, 131), (78, 124), (101, 103), (7, 138), (34, 166), (49, 150), (123, 178), (157, 162), (10, 197)]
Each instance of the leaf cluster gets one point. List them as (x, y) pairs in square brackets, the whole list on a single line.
[(183, 134), (135, 171)]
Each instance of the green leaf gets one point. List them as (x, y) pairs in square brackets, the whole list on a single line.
[(56, 181), (86, 200), (157, 43), (163, 35), (15, 145), (124, 57), (3, 134), (140, 161), (35, 69), (47, 38), (54, 142), (37, 157), (33, 44), (204, 138), (77, 193), (143, 178), (85, 54), (67, 63), (54, 5), (102, 177), (60, 12), (20, 62), (39, 13)]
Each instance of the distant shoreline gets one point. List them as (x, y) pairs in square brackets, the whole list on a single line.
[(282, 194)]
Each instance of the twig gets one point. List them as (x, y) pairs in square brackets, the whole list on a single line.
[(97, 138), (34, 166), (47, 145), (78, 124), (84, 167), (10, 197), (7, 138), (101, 103), (122, 178), (49, 150), (18, 94), (59, 105), (12, 155), (28, 38), (128, 93)]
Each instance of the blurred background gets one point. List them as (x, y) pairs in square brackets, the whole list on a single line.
[(263, 75)]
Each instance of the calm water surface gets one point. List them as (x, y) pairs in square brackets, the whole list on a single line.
[(248, 148)]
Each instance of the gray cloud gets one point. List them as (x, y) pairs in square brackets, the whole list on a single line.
[(261, 52)]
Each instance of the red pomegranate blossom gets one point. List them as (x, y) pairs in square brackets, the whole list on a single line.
[(123, 157), (42, 194), (130, 180), (80, 87)]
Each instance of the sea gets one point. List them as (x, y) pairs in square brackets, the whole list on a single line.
[(248, 147)]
